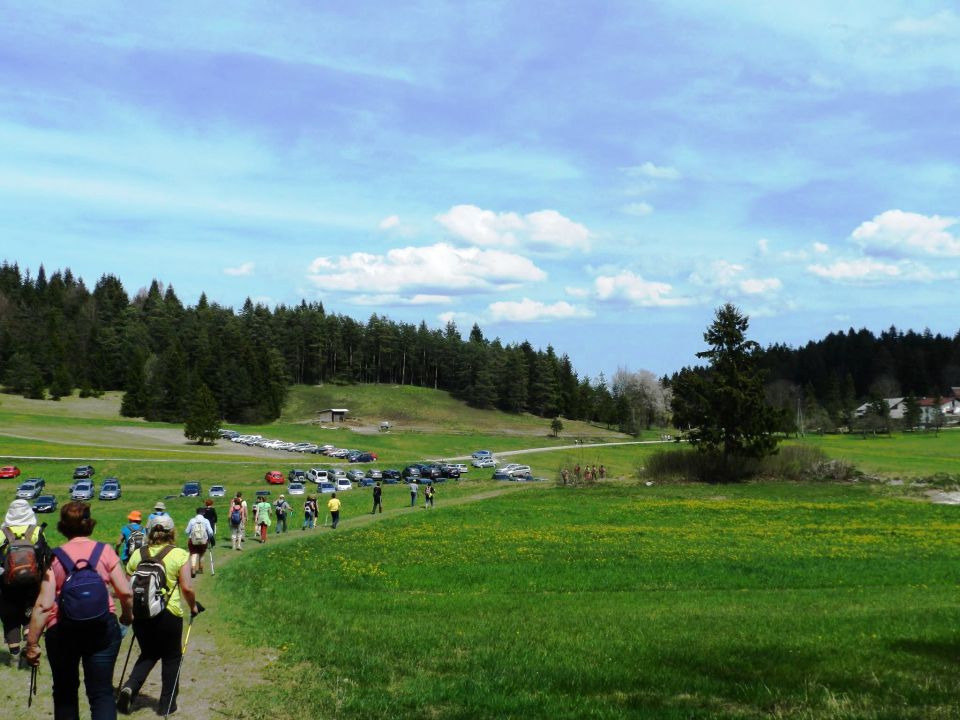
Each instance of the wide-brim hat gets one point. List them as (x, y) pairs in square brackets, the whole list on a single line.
[(164, 521), (19, 513), (160, 506), (135, 516)]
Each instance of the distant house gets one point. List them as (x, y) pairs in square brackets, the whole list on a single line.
[(332, 415), (949, 406)]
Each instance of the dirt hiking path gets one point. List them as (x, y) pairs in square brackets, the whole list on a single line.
[(217, 668)]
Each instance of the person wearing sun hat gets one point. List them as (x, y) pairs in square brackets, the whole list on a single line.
[(159, 510), (133, 535), (16, 602)]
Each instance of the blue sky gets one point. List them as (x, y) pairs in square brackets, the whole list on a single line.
[(598, 177)]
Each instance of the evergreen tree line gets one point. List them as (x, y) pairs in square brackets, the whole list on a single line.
[(56, 335)]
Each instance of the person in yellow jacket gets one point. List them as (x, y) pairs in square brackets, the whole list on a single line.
[(333, 505), (16, 601)]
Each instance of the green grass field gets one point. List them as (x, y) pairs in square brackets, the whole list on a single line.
[(619, 600)]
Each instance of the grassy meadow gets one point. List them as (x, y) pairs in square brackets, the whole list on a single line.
[(755, 600)]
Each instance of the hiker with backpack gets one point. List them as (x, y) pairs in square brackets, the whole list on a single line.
[(159, 511), (133, 536), (309, 513), (238, 521), (199, 533), (282, 509), (76, 610), (26, 557), (210, 513), (261, 518), (160, 579)]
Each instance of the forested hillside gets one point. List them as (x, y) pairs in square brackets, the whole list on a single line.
[(56, 334)]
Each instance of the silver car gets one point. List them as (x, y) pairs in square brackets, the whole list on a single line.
[(110, 490), (30, 489), (83, 490)]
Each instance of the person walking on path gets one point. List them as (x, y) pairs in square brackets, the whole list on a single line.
[(159, 637), (238, 513), (198, 532), (26, 558), (282, 509), (603, 472), (428, 492), (377, 498), (210, 513), (261, 518), (576, 472), (308, 515), (333, 505), (71, 641), (565, 475), (413, 493), (159, 510), (132, 536)]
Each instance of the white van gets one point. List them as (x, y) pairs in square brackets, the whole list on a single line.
[(317, 475)]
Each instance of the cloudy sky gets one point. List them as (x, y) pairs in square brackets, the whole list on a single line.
[(597, 176)]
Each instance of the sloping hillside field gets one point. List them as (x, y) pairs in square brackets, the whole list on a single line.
[(666, 602)]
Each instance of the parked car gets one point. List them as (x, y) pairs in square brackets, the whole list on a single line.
[(480, 454), (462, 467), (9, 472), (363, 457), (274, 477), (82, 490), (375, 474), (500, 475), (262, 494), (83, 472), (30, 489), (430, 471), (326, 487), (484, 462), (217, 491), (391, 475), (355, 475), (228, 434), (411, 472), (191, 489), (450, 471), (297, 476), (110, 489), (519, 470), (343, 484), (367, 482), (45, 504), (316, 475), (334, 474), (295, 488)]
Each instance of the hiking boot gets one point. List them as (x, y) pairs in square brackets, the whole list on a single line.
[(22, 663), (124, 700)]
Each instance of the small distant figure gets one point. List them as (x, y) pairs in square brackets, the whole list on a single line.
[(428, 497), (261, 519), (198, 533), (377, 498), (308, 514), (603, 472), (282, 509), (238, 521), (159, 511), (587, 475), (133, 536), (333, 505), (565, 475), (413, 493), (210, 513), (576, 472)]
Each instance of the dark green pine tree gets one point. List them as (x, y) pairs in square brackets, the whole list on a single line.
[(62, 384), (134, 401), (725, 406), (512, 391), (203, 417)]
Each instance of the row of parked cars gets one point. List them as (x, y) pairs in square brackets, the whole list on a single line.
[(81, 488), (348, 454)]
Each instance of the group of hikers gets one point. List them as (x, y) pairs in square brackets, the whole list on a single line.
[(70, 596), (589, 473)]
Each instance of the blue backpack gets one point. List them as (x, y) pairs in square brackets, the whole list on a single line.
[(83, 596)]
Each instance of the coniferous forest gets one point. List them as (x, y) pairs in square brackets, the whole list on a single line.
[(56, 335)]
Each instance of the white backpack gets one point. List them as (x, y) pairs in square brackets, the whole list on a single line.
[(198, 533), (149, 584)]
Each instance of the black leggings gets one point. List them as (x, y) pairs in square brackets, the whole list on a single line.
[(159, 639)]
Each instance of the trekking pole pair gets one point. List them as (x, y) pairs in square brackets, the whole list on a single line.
[(183, 651)]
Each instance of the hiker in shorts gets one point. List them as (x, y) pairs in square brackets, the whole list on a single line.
[(132, 536), (210, 513), (238, 521), (198, 532), (159, 636), (81, 629), (26, 558), (282, 509), (413, 493), (238, 500), (377, 498), (159, 510), (261, 519)]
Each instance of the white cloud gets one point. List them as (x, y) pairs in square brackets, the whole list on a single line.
[(821, 248), (729, 279), (657, 172), (896, 232), (763, 245), (792, 256), (393, 299), (430, 270), (638, 209), (636, 290), (528, 310), (759, 286), (944, 23), (577, 292), (391, 221), (240, 271), (869, 270), (544, 229)]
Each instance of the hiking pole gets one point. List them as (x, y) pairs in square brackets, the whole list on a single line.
[(124, 672), (183, 651), (33, 685), (211, 562)]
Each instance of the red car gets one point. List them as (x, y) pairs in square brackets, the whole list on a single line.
[(274, 477), (11, 471)]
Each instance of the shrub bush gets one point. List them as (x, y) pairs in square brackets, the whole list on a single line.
[(792, 462)]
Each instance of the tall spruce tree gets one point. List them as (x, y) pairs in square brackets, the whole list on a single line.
[(203, 417)]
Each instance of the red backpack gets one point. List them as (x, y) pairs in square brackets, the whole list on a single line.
[(23, 565)]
